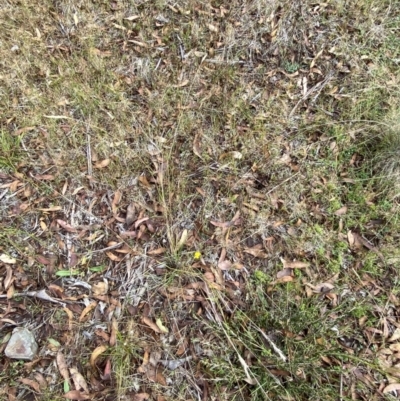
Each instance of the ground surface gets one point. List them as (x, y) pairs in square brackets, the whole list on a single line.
[(207, 192)]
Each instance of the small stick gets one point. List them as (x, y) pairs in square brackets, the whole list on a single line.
[(273, 345)]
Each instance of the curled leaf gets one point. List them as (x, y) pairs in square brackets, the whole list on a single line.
[(96, 353)]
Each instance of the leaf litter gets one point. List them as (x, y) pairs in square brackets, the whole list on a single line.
[(105, 247)]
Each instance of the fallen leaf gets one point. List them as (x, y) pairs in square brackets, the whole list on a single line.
[(161, 326), (9, 277), (285, 272), (62, 366), (114, 331), (342, 211), (66, 226), (295, 264), (391, 387), (196, 146), (89, 308), (151, 324), (76, 395), (100, 288), (113, 257), (130, 214), (225, 265), (96, 353), (321, 288), (183, 239), (107, 370), (141, 397), (132, 18), (31, 383), (116, 200), (50, 209), (78, 379), (7, 259), (102, 163), (395, 336), (45, 177), (157, 251), (256, 251)]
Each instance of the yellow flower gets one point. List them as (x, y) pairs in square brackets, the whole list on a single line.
[(197, 255)]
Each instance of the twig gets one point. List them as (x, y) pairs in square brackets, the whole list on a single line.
[(89, 155), (108, 248), (273, 345)]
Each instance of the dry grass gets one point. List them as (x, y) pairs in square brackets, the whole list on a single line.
[(282, 111)]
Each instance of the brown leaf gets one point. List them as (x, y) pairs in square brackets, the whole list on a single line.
[(225, 265), (31, 383), (41, 380), (89, 308), (196, 146), (9, 277), (102, 163), (114, 331), (77, 395), (295, 265), (130, 214), (341, 212), (96, 353), (78, 379), (285, 272), (157, 251), (45, 177), (66, 226), (107, 370), (350, 238), (322, 288), (62, 366), (100, 288), (141, 397), (50, 209), (391, 387), (116, 200), (256, 251), (23, 130), (113, 257), (151, 324)]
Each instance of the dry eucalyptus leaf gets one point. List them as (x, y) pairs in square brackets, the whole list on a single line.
[(31, 383), (77, 395), (96, 353), (102, 163), (114, 331), (7, 259), (342, 211), (130, 214), (395, 336), (391, 387), (161, 326), (62, 366), (151, 324), (295, 264), (9, 277), (78, 379), (225, 265), (100, 288)]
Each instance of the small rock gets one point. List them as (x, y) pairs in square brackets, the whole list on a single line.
[(22, 345)]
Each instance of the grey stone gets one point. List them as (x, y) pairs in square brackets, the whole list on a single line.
[(22, 345)]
